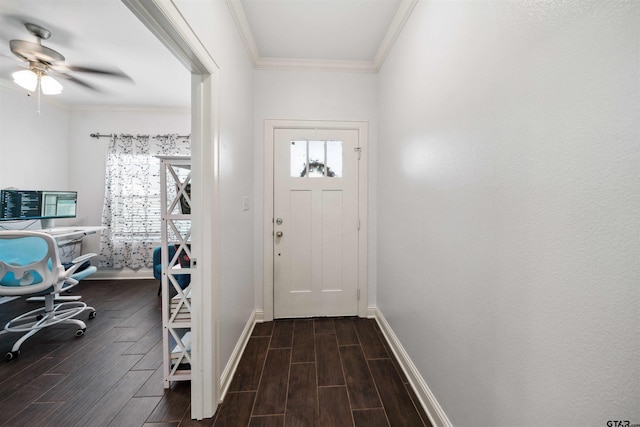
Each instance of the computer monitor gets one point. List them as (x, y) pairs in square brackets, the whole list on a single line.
[(59, 204), (16, 205)]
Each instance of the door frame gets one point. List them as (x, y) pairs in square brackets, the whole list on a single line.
[(270, 126), (164, 20)]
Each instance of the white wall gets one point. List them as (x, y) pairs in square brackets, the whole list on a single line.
[(313, 95), (33, 148), (213, 24), (508, 208), (53, 150), (88, 156)]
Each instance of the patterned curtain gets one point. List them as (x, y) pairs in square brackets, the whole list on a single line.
[(131, 212)]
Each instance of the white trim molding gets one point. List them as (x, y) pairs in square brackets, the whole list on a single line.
[(236, 355), (267, 221), (240, 18), (122, 274), (289, 64), (372, 310), (427, 399), (395, 27), (167, 24)]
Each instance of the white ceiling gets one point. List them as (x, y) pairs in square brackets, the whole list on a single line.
[(353, 35), (293, 34), (98, 33)]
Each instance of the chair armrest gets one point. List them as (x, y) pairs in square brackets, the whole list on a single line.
[(77, 263), (83, 258)]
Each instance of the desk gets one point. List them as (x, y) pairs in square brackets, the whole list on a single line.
[(70, 233)]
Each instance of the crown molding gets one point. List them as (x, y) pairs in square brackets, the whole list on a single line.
[(129, 108), (396, 26), (290, 64), (240, 18), (397, 23)]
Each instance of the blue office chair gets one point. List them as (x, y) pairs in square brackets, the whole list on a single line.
[(182, 279), (30, 265)]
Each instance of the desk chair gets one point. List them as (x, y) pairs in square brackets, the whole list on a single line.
[(30, 265), (182, 279)]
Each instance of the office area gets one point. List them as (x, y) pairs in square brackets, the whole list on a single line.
[(40, 145), (495, 258), (49, 135)]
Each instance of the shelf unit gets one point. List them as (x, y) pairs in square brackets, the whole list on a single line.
[(175, 181)]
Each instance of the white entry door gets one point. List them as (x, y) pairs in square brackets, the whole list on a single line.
[(316, 224)]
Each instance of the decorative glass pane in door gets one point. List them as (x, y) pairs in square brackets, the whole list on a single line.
[(316, 159)]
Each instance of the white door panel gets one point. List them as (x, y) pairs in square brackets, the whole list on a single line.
[(316, 218), (300, 248)]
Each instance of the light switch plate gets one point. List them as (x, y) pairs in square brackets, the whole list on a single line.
[(245, 203)]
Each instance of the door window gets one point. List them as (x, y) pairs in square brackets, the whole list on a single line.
[(316, 159)]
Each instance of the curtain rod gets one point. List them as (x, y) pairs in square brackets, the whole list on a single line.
[(109, 135)]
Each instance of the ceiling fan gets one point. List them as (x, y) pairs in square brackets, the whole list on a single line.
[(43, 60)]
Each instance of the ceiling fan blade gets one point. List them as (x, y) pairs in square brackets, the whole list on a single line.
[(12, 57), (79, 82), (102, 71)]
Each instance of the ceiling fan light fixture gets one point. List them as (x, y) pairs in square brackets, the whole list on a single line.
[(26, 79), (50, 86)]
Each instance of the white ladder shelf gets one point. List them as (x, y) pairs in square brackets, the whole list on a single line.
[(175, 181)]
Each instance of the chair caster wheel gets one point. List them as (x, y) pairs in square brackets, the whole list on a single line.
[(80, 332), (12, 355), (92, 315)]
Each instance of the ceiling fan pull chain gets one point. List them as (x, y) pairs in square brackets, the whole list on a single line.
[(39, 93)]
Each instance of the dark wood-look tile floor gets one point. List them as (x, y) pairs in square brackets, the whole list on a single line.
[(325, 372), (305, 372), (111, 376)]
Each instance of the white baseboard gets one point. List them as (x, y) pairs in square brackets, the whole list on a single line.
[(371, 312), (232, 364), (427, 399), (259, 316), (121, 274)]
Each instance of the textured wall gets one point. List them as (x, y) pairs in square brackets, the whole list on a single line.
[(33, 148), (508, 207), (213, 24)]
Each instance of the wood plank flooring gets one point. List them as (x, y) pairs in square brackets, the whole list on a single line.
[(322, 372), (111, 376), (325, 372)]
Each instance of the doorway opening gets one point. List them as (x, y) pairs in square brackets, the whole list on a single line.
[(166, 22)]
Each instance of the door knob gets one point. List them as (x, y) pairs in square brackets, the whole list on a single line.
[(278, 233)]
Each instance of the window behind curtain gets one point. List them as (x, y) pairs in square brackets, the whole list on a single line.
[(131, 211)]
